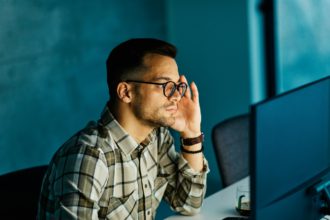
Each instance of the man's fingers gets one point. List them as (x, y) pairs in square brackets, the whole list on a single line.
[(188, 92), (195, 93)]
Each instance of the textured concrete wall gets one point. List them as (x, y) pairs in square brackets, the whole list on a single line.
[(52, 68)]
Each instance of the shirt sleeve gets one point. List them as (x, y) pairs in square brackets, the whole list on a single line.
[(80, 180), (186, 187)]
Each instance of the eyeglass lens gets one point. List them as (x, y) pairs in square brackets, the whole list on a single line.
[(171, 87)]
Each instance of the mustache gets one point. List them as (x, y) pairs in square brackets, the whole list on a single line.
[(170, 105)]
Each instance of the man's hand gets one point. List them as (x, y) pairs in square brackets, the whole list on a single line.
[(188, 116)]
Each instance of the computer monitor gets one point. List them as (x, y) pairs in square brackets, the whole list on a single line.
[(290, 154)]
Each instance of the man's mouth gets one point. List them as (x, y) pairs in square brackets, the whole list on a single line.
[(172, 108)]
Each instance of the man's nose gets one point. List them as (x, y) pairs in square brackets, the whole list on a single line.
[(176, 96)]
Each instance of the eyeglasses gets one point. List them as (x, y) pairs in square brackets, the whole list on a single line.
[(169, 87)]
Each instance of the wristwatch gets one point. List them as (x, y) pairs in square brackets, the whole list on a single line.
[(192, 141)]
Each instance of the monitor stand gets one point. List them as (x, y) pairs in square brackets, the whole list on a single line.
[(321, 191)]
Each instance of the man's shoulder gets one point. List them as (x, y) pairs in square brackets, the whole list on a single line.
[(92, 138)]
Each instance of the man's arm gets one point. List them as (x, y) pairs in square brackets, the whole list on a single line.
[(186, 187), (194, 159), (79, 184)]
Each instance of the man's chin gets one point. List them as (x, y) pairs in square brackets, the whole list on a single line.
[(168, 122)]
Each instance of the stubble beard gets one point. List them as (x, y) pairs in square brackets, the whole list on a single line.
[(154, 119)]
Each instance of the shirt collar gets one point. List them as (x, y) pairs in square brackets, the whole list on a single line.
[(123, 140)]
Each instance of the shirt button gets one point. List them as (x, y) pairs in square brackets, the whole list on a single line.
[(145, 185), (148, 212)]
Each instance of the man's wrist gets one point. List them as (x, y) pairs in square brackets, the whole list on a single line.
[(192, 151), (190, 134)]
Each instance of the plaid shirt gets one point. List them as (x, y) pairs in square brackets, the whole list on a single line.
[(103, 173)]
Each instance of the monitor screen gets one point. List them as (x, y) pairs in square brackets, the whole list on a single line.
[(290, 152)]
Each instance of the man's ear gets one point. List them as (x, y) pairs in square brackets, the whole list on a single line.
[(124, 92)]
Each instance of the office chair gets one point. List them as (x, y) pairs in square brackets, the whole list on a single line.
[(231, 144), (19, 193)]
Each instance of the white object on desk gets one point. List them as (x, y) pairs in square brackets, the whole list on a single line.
[(217, 206)]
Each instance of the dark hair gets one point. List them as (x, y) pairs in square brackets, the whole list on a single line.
[(127, 58)]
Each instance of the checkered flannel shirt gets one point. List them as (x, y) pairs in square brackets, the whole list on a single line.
[(103, 173)]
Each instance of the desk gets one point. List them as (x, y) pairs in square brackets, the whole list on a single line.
[(217, 206)]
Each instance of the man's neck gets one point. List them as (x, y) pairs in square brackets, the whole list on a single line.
[(130, 123)]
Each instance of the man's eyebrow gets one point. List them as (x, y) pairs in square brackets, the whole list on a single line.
[(163, 78)]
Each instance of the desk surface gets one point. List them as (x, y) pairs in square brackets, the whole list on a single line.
[(218, 205)]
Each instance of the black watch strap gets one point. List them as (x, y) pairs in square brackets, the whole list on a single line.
[(192, 141)]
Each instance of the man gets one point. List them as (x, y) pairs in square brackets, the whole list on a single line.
[(123, 165)]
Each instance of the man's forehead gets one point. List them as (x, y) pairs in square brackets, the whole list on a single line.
[(161, 68), (165, 77)]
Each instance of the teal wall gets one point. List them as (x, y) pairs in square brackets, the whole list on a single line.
[(52, 68), (212, 38)]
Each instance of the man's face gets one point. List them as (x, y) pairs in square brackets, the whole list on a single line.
[(150, 105)]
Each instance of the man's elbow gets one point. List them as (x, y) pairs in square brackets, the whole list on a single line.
[(190, 211)]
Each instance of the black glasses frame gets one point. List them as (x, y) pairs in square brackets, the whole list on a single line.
[(177, 86)]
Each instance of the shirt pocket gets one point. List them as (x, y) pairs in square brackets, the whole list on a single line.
[(125, 176), (123, 207)]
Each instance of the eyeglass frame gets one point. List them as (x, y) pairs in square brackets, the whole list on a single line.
[(164, 86)]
